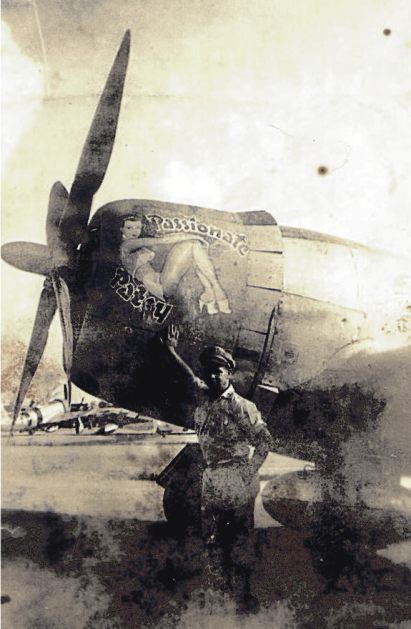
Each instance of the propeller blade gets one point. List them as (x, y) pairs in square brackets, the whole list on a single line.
[(57, 204), (44, 316), (96, 152), (100, 140), (28, 256), (63, 301), (33, 257)]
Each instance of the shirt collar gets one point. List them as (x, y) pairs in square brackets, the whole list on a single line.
[(228, 392)]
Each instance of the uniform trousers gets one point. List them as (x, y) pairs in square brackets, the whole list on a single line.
[(228, 496)]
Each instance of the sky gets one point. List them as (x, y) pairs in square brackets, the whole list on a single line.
[(228, 104)]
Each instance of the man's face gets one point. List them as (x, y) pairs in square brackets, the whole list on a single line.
[(217, 378), (131, 229)]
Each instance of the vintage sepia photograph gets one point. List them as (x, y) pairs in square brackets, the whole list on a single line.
[(206, 314)]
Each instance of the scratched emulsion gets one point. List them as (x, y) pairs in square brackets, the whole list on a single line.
[(83, 572)]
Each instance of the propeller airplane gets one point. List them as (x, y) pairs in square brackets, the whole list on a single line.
[(319, 327)]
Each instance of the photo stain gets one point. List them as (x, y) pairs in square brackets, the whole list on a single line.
[(387, 31), (322, 170)]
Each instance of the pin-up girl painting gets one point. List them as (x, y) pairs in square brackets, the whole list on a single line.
[(138, 251)]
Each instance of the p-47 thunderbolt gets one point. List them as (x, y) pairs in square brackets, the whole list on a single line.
[(319, 328)]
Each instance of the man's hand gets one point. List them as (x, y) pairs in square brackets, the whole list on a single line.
[(170, 338)]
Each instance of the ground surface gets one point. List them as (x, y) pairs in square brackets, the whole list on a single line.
[(85, 545)]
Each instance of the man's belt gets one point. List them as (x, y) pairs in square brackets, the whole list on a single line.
[(234, 462)]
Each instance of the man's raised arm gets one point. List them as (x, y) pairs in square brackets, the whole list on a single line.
[(170, 342)]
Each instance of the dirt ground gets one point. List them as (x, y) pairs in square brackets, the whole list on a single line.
[(85, 546)]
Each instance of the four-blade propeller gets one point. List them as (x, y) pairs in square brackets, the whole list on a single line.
[(67, 218)]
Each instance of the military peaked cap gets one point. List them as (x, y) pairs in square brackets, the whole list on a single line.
[(217, 355)]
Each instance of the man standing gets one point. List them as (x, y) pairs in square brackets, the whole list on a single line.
[(234, 441)]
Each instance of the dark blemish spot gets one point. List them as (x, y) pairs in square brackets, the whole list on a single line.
[(5, 599), (322, 170), (387, 31), (324, 420), (58, 542)]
